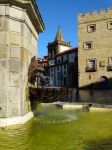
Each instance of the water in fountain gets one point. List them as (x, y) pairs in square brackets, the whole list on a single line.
[(50, 114)]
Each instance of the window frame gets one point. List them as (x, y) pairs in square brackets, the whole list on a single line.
[(85, 47), (109, 28), (91, 59), (88, 28)]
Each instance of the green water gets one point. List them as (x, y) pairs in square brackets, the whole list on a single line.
[(57, 129)]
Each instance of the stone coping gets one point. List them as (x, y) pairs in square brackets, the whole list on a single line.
[(4, 122), (79, 105)]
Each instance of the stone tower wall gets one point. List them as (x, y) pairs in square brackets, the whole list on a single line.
[(101, 49)]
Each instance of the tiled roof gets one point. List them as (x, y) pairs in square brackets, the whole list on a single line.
[(67, 51), (59, 36)]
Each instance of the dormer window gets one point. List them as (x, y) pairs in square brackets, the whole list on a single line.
[(109, 25), (87, 45), (91, 28)]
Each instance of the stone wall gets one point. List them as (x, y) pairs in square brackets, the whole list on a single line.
[(18, 44)]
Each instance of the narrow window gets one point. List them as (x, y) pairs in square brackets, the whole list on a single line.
[(88, 45), (109, 67), (64, 72), (109, 25), (51, 69), (58, 68), (59, 61), (91, 65), (91, 28), (110, 61), (64, 66)]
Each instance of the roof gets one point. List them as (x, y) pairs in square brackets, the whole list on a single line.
[(59, 36), (68, 51)]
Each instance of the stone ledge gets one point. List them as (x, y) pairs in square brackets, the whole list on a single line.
[(4, 122)]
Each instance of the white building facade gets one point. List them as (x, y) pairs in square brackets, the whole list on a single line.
[(63, 63)]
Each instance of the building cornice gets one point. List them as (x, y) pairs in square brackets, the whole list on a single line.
[(32, 10), (59, 43)]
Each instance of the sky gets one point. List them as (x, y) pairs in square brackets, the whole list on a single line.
[(64, 13)]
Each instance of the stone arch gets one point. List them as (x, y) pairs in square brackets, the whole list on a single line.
[(104, 82)]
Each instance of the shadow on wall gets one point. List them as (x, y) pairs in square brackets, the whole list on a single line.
[(103, 84), (98, 96)]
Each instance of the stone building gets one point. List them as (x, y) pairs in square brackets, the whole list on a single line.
[(95, 48), (20, 25), (44, 62), (62, 62)]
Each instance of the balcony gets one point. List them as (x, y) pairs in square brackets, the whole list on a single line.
[(88, 69), (109, 68)]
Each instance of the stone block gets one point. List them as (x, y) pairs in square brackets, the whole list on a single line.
[(15, 65), (3, 80), (2, 10), (14, 79), (15, 51), (14, 94), (13, 109), (15, 26), (3, 110), (25, 55), (2, 24), (15, 39), (3, 52), (3, 95)]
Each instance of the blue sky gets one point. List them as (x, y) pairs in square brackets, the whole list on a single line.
[(64, 13)]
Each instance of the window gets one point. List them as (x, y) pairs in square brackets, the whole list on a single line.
[(110, 61), (109, 25), (58, 61), (91, 28), (64, 72), (91, 65), (64, 58), (58, 68), (71, 57), (109, 67), (64, 66), (51, 74), (89, 77), (51, 69), (87, 45)]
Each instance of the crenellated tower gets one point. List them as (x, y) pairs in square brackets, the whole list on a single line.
[(95, 47)]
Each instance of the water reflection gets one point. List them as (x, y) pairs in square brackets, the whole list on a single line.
[(57, 115)]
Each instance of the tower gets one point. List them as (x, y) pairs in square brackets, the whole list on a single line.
[(20, 25), (95, 47), (59, 54)]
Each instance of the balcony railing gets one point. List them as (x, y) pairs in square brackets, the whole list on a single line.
[(109, 68), (88, 69)]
